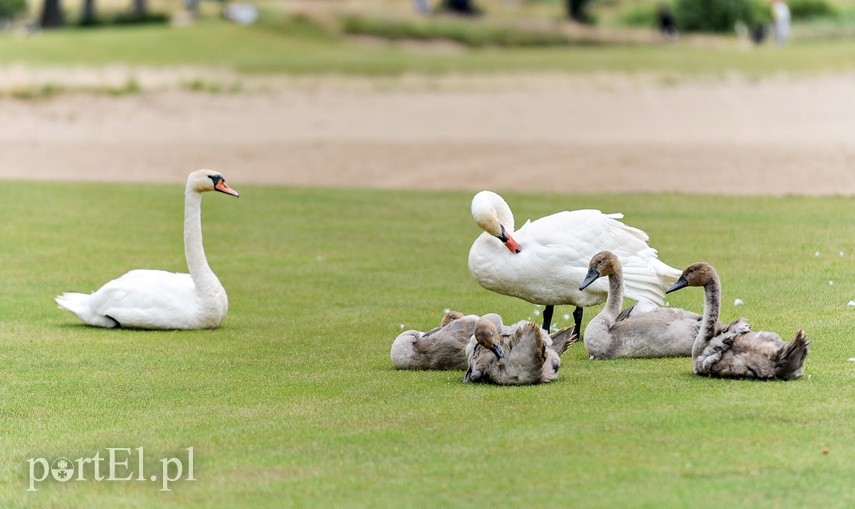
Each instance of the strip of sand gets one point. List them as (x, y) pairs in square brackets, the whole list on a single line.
[(778, 136)]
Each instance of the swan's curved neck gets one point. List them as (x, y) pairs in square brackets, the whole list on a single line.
[(491, 212), (506, 217), (615, 298), (712, 304), (203, 277)]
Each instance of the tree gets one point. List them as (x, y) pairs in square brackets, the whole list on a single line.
[(88, 16), (576, 10), (140, 9), (51, 16), (11, 8)]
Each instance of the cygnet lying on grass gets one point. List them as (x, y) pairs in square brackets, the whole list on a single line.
[(644, 330), (443, 347), (735, 351), (521, 354)]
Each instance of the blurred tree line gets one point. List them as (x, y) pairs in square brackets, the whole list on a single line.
[(52, 15), (690, 15)]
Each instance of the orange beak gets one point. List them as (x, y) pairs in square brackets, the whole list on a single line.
[(222, 187), (512, 245)]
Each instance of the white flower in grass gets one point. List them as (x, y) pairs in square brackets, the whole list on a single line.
[(566, 316), (738, 302), (851, 304), (816, 253), (830, 283), (402, 326), (536, 312)]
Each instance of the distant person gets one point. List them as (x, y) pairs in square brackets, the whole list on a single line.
[(192, 7), (667, 23), (422, 6), (758, 33), (781, 18)]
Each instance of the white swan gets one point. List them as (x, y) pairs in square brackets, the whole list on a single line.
[(734, 351), (644, 330), (545, 261), (156, 299)]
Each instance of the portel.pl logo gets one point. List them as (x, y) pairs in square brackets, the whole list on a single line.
[(117, 464)]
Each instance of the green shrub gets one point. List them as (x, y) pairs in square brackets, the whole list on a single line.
[(130, 18), (640, 15), (463, 32), (123, 19), (719, 15), (11, 8), (811, 9), (97, 21)]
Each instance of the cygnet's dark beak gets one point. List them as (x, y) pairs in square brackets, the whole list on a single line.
[(590, 277), (681, 283)]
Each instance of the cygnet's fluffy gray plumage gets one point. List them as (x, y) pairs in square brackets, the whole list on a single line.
[(443, 347), (521, 354), (734, 351), (644, 330)]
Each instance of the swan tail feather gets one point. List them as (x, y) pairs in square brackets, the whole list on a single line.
[(790, 359), (78, 303), (562, 339), (649, 280)]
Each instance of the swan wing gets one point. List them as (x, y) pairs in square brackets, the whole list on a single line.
[(148, 299), (439, 348), (641, 307), (527, 354), (567, 240), (446, 347)]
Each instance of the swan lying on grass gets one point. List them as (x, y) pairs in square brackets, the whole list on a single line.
[(443, 347), (734, 351), (643, 330), (157, 299)]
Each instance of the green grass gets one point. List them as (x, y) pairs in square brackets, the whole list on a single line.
[(278, 46), (293, 402)]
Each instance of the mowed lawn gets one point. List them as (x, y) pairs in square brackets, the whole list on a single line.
[(286, 45), (293, 401)]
